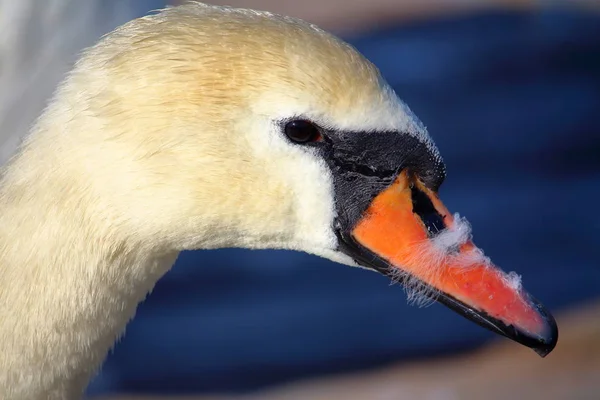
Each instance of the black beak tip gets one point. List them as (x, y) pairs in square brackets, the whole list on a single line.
[(542, 343), (547, 342)]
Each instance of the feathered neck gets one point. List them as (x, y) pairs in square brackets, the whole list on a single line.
[(68, 285)]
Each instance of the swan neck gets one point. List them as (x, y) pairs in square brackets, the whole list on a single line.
[(68, 287)]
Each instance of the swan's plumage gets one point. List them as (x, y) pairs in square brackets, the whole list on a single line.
[(167, 136), (162, 138)]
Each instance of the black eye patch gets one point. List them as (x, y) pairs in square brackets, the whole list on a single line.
[(363, 164)]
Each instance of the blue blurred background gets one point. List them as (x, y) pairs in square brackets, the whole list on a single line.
[(512, 99)]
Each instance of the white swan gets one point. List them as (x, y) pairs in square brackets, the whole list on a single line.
[(201, 127)]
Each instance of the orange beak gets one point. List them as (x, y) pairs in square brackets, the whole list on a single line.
[(413, 237)]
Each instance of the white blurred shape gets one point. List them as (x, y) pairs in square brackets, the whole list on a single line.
[(39, 40)]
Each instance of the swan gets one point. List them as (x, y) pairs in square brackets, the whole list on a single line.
[(200, 127)]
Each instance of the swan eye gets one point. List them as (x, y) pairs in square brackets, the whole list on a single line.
[(302, 131)]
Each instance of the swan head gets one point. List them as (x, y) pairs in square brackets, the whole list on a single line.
[(207, 126)]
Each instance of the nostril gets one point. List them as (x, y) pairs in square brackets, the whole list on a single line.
[(423, 207)]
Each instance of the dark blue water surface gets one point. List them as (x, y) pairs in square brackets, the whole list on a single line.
[(513, 102)]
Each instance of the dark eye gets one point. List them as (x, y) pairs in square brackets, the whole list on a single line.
[(302, 131)]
